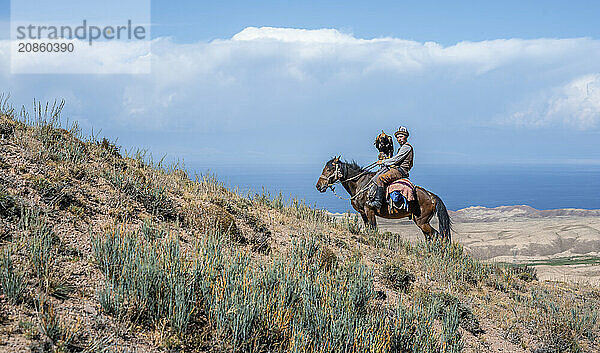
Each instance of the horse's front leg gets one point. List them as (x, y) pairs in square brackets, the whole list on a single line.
[(371, 220), (365, 219)]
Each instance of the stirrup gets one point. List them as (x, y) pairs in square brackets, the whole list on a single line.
[(376, 204)]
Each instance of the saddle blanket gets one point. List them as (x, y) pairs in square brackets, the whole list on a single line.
[(405, 187)]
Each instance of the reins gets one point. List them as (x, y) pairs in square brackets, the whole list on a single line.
[(352, 197), (366, 170)]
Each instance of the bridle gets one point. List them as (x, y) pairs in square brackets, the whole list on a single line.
[(338, 175)]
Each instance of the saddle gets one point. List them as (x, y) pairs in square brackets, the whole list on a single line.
[(400, 194), (404, 186)]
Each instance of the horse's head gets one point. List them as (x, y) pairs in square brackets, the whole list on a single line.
[(332, 172)]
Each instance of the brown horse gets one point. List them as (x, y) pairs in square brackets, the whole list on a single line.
[(356, 180)]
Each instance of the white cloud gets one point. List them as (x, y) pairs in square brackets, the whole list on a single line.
[(575, 105), (294, 35), (305, 49), (579, 102), (268, 77)]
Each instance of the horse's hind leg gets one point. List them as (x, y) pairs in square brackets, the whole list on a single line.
[(427, 208), (427, 230), (423, 223)]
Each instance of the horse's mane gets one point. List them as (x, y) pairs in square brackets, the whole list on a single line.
[(354, 168)]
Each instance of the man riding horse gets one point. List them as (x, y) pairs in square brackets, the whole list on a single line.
[(356, 180), (394, 168)]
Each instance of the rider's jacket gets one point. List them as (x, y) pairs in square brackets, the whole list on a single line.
[(403, 159)]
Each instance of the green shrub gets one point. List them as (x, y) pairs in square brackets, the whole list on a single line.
[(413, 329), (146, 281), (9, 205), (302, 301), (150, 193), (557, 338), (449, 304), (449, 263), (525, 273), (51, 326), (296, 207), (561, 322), (11, 282), (352, 223), (110, 149), (54, 193), (6, 107), (58, 144), (62, 145), (301, 210), (296, 305), (397, 276), (294, 300), (40, 242), (151, 231), (451, 340), (39, 249)]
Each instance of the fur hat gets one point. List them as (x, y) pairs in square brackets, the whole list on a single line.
[(402, 130)]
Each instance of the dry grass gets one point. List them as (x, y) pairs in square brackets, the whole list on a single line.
[(103, 250)]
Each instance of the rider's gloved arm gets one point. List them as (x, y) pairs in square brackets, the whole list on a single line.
[(398, 157)]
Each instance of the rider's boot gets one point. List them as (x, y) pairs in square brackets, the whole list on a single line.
[(377, 202)]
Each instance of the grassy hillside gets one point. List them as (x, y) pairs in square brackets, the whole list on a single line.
[(105, 250)]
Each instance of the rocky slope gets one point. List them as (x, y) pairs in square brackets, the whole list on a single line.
[(106, 251)]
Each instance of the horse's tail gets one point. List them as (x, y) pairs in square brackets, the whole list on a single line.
[(444, 220)]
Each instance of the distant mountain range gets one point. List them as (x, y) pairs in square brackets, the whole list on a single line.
[(485, 214)]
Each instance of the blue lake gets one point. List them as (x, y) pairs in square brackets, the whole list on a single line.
[(539, 186)]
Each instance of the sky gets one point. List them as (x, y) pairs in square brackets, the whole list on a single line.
[(286, 83), (445, 22)]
